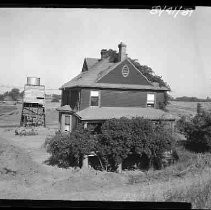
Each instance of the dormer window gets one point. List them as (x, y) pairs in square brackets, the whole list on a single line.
[(94, 98), (150, 100)]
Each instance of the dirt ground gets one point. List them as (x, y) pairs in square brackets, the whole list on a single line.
[(24, 174)]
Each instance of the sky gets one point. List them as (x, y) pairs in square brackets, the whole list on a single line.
[(51, 43)]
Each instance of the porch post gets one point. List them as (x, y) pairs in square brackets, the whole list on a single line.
[(119, 169), (85, 125), (85, 162), (62, 122), (172, 126)]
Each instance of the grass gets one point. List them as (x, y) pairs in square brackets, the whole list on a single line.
[(7, 108), (188, 180), (180, 108), (198, 194)]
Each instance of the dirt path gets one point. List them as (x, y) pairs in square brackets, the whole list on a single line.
[(33, 179)]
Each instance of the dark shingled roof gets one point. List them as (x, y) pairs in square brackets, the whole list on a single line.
[(65, 108), (91, 62), (104, 113), (89, 78)]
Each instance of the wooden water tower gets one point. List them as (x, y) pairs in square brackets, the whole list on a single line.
[(33, 109)]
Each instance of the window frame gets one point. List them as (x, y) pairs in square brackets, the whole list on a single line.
[(66, 116), (151, 93), (99, 97)]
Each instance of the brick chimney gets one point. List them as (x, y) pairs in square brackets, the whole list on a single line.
[(122, 51), (103, 53)]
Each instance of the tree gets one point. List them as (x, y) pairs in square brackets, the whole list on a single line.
[(55, 98), (1, 97), (14, 93), (68, 149), (21, 94), (199, 108), (149, 73), (116, 141), (171, 98), (197, 131)]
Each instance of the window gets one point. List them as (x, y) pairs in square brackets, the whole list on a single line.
[(150, 100), (67, 120), (125, 71), (94, 98)]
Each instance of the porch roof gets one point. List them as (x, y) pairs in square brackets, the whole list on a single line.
[(104, 113), (65, 108)]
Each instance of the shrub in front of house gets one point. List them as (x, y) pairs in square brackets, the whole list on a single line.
[(116, 141), (197, 131), (121, 138), (67, 149)]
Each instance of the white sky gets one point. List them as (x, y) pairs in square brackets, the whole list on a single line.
[(52, 44)]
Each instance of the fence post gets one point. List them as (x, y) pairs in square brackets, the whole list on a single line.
[(119, 169), (85, 163)]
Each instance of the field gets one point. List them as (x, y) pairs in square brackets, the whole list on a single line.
[(24, 174), (180, 108)]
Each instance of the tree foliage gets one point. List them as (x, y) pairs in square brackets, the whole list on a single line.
[(68, 149), (197, 131), (123, 137), (167, 98), (149, 73), (13, 93), (117, 139), (192, 99)]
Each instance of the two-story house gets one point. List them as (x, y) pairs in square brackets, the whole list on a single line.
[(105, 90)]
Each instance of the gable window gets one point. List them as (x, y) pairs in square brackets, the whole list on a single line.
[(150, 100), (94, 98), (125, 71)]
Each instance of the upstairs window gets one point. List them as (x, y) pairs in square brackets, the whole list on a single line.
[(94, 98), (150, 100)]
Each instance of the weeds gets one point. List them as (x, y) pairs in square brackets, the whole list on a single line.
[(188, 180), (197, 194), (189, 163)]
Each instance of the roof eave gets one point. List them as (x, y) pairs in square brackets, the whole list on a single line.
[(153, 119), (106, 87)]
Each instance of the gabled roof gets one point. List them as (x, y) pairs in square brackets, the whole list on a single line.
[(90, 62), (102, 67), (65, 108), (104, 113)]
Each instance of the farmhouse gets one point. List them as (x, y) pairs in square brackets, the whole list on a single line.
[(108, 89)]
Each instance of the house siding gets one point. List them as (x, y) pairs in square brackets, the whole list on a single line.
[(70, 97), (123, 98), (74, 97), (116, 77), (159, 98), (109, 98), (84, 100), (65, 95)]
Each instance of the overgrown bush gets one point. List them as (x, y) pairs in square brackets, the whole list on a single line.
[(197, 131), (67, 149), (114, 142), (22, 131)]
